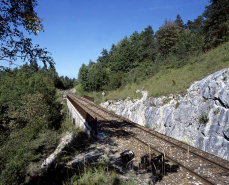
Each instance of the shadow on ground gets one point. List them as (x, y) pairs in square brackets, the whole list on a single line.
[(84, 153)]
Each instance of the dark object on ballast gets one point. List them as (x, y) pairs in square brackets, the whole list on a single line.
[(127, 155)]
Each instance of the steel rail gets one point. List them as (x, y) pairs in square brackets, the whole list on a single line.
[(168, 157), (165, 139)]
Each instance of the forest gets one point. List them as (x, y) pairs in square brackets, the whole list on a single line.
[(31, 121), (142, 55)]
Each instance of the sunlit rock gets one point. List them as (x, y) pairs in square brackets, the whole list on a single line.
[(200, 118)]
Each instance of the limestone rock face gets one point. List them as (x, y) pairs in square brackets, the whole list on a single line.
[(200, 118)]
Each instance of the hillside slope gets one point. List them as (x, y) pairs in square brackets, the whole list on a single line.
[(200, 118), (173, 80)]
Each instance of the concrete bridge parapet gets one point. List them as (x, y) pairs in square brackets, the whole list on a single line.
[(77, 119)]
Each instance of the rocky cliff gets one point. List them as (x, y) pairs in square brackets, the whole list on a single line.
[(199, 118)]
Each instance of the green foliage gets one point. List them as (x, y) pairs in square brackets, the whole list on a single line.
[(179, 22), (104, 59), (160, 84), (188, 44), (97, 174), (18, 153), (195, 26), (83, 77), (216, 24), (122, 58), (166, 100), (186, 142), (203, 119), (167, 37), (29, 113), (177, 105), (16, 15), (97, 77), (133, 55), (12, 174), (116, 80), (144, 56), (147, 126), (216, 111)]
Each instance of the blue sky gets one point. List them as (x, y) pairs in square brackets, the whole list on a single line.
[(78, 30)]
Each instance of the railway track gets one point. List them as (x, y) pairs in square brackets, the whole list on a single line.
[(207, 167)]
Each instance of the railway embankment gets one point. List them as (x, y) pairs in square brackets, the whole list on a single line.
[(200, 117)]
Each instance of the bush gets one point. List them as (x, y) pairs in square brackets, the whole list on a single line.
[(147, 126), (203, 119), (14, 171)]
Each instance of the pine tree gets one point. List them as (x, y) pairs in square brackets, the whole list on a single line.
[(179, 22), (216, 24)]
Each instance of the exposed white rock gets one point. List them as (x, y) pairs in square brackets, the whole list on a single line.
[(68, 137), (201, 117)]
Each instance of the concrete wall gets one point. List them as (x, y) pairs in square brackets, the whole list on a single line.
[(77, 119)]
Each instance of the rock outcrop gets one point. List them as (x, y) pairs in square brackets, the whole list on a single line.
[(200, 118), (65, 140)]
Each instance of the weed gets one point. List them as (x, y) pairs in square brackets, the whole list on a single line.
[(216, 111), (186, 142), (166, 100), (147, 125), (204, 99), (203, 119), (177, 105), (97, 174), (112, 111), (154, 127), (152, 104)]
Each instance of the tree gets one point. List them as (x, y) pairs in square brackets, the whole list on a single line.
[(196, 25), (82, 76), (13, 16), (188, 43), (97, 77), (104, 59), (148, 43), (216, 24), (167, 37), (122, 58), (179, 22)]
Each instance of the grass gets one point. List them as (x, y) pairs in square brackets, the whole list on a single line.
[(203, 119), (216, 111), (147, 126), (172, 80), (95, 174), (186, 142), (177, 105)]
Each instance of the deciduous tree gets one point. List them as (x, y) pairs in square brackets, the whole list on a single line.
[(167, 37), (13, 16)]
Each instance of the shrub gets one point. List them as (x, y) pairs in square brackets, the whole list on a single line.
[(203, 119), (177, 105), (147, 125), (15, 169), (216, 111)]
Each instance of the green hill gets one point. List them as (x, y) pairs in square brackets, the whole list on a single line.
[(172, 80)]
